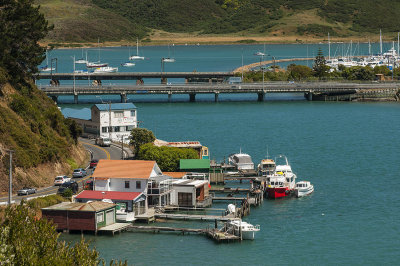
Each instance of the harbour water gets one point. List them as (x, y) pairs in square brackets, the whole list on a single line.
[(349, 151)]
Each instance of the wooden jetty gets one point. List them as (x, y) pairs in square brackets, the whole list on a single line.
[(177, 216), (229, 190), (229, 198), (217, 235), (113, 228)]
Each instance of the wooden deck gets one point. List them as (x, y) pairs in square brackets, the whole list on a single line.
[(115, 227), (229, 198), (194, 217)]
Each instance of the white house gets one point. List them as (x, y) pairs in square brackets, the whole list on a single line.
[(113, 120), (144, 177), (190, 193)]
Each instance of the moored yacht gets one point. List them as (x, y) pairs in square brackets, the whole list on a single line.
[(106, 69), (242, 161), (266, 168)]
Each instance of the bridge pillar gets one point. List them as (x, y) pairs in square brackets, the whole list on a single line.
[(261, 96), (164, 80), (308, 96), (192, 97), (124, 98), (55, 98), (76, 98), (54, 82), (216, 94), (169, 96), (139, 81)]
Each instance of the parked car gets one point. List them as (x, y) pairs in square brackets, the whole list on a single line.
[(104, 142), (61, 179), (68, 185), (93, 163), (80, 172), (26, 191)]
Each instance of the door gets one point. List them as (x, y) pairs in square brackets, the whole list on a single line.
[(110, 217), (185, 199)]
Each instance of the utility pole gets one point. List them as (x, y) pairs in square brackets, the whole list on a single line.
[(109, 120), (10, 184), (122, 147)]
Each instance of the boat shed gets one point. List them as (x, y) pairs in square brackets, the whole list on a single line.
[(190, 193), (74, 216), (195, 165), (127, 200)]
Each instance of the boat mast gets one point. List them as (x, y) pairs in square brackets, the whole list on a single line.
[(137, 46), (369, 47), (329, 47), (98, 45), (380, 40)]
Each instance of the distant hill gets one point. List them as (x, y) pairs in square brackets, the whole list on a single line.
[(114, 20)]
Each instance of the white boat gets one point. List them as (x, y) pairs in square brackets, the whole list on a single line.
[(168, 60), (82, 60), (124, 216), (260, 54), (248, 230), (97, 64), (106, 69), (128, 64), (136, 57), (303, 188), (242, 161), (46, 68)]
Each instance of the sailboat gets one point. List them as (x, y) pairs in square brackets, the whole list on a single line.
[(46, 68), (261, 53), (168, 59), (98, 63), (82, 60), (136, 57)]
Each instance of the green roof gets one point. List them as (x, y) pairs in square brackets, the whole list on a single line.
[(194, 164)]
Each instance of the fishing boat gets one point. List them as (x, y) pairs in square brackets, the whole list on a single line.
[(136, 57), (128, 64), (266, 168), (303, 188), (106, 69), (247, 230), (282, 182), (242, 161)]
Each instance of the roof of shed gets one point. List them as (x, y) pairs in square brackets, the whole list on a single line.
[(77, 206), (112, 195), (194, 164)]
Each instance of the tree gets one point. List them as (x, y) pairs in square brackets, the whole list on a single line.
[(21, 27), (167, 158), (140, 136), (320, 68), (26, 240), (299, 72)]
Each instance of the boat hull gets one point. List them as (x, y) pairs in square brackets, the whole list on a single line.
[(277, 192), (304, 192)]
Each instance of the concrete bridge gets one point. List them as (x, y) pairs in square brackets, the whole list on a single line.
[(310, 89), (55, 78)]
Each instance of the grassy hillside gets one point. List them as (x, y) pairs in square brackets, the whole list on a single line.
[(32, 126), (81, 21), (116, 20)]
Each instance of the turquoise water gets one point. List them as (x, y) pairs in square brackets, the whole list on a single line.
[(349, 151)]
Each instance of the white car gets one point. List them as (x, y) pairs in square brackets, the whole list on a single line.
[(61, 179)]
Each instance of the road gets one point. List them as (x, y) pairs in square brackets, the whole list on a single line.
[(97, 152)]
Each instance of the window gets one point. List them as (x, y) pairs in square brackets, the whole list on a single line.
[(104, 129), (118, 114), (116, 129), (129, 128), (133, 113), (100, 217), (126, 184), (138, 185)]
